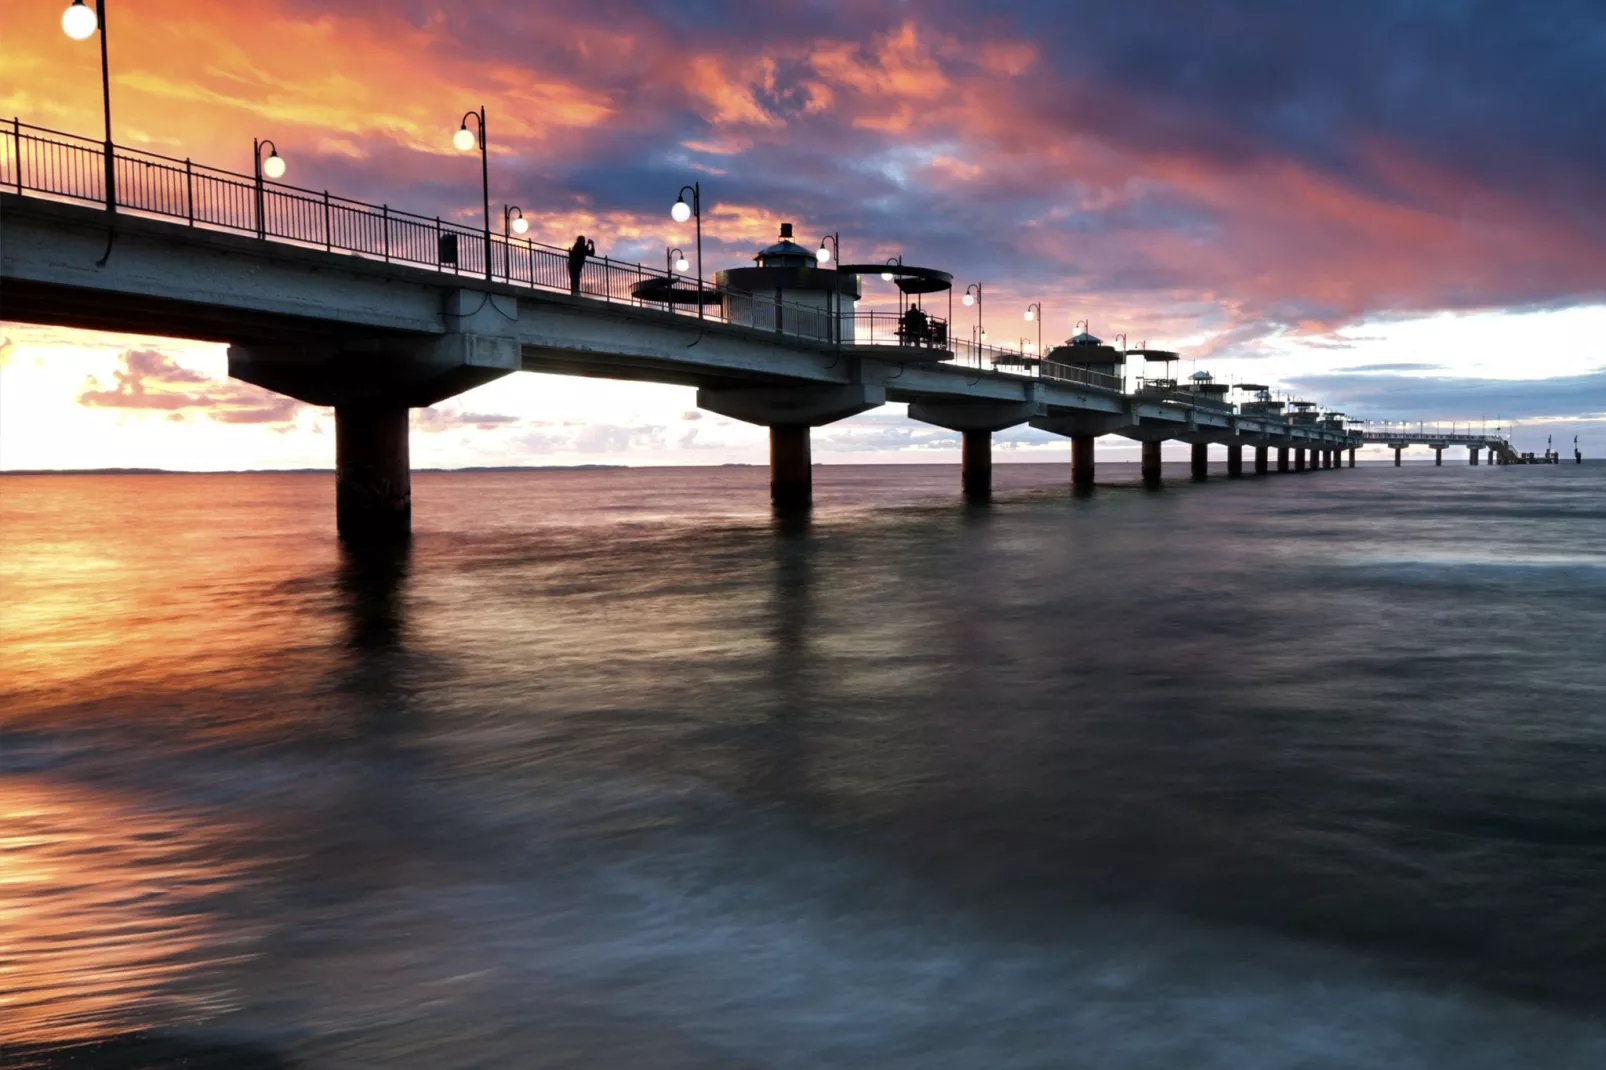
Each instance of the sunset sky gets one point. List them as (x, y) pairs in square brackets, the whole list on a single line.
[(1397, 208)]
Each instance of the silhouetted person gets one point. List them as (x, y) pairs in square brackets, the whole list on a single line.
[(577, 261), (914, 326)]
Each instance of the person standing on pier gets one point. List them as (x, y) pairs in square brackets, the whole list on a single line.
[(577, 261)]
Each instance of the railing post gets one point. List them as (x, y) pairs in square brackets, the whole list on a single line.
[(384, 213), (16, 141), (607, 281), (189, 191), (328, 231)]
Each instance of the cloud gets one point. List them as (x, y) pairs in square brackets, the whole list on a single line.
[(1399, 366), (435, 419), (613, 438), (1383, 396), (147, 379), (1276, 170)]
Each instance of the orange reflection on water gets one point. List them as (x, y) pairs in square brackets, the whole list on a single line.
[(103, 923), (100, 577)]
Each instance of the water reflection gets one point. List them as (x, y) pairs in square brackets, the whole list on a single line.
[(370, 585), (779, 766), (86, 949)]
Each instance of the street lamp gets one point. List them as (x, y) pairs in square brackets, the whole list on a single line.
[(892, 262), (973, 297), (513, 222), (675, 260), (681, 211), (464, 141), (1034, 311), (272, 167), (78, 22), (824, 255)]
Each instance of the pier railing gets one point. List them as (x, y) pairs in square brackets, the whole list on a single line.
[(36, 161), (41, 162)]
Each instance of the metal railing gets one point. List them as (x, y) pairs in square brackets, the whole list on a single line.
[(53, 164), (37, 161), (1413, 435)]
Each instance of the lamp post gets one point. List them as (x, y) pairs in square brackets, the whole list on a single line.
[(1034, 311), (973, 297), (681, 211), (675, 261), (464, 141), (78, 22), (833, 299), (513, 222), (272, 167)]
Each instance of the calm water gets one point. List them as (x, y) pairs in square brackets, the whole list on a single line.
[(1304, 771)]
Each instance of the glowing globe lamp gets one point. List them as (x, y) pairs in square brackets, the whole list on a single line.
[(78, 22)]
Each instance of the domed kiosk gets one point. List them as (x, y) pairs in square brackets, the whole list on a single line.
[(788, 291)]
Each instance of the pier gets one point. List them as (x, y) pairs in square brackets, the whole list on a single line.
[(373, 311)]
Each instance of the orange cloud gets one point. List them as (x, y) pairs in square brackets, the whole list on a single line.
[(152, 380)]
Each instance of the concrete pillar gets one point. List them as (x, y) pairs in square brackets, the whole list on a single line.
[(1235, 460), (1082, 461), (1472, 456), (373, 481), (1151, 462), (1282, 458), (976, 465), (791, 477), (1438, 456), (1352, 456), (1327, 459), (1260, 460), (1299, 460), (1397, 452), (1201, 461)]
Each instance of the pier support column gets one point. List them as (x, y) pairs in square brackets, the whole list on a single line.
[(1299, 460), (976, 465), (1472, 456), (789, 412), (1201, 461), (373, 483), (1327, 459), (1261, 465), (1352, 457), (976, 421), (1082, 461), (1438, 456), (1235, 460), (1151, 462), (1282, 458), (371, 383), (1397, 451), (791, 475)]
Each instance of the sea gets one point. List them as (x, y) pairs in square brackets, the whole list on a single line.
[(611, 768)]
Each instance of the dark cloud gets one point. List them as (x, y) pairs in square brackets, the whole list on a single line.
[(151, 380)]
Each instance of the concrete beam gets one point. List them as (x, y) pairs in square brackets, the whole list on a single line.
[(974, 415), (1081, 424), (803, 405)]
